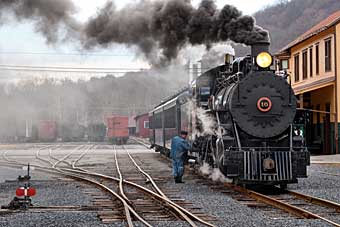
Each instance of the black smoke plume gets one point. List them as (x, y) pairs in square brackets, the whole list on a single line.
[(50, 17), (169, 25), (158, 28)]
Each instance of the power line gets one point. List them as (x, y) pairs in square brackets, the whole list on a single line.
[(67, 71), (77, 68), (70, 68), (61, 69), (65, 54)]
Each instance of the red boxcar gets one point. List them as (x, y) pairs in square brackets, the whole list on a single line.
[(117, 129), (47, 131), (142, 125)]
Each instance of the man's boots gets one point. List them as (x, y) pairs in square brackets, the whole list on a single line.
[(179, 180), (176, 179)]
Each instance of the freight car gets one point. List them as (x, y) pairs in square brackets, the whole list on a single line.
[(117, 129), (240, 118), (69, 132), (47, 131), (96, 132)]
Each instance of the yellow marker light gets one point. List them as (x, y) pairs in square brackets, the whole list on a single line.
[(264, 59)]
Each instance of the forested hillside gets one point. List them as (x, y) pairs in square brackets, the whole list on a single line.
[(88, 101), (288, 19)]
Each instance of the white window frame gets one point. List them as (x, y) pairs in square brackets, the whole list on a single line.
[(146, 122)]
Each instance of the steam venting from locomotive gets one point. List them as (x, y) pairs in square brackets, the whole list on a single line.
[(213, 173), (159, 29)]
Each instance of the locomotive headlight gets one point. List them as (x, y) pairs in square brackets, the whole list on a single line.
[(264, 59)]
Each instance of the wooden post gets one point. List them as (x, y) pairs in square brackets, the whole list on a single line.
[(301, 100)]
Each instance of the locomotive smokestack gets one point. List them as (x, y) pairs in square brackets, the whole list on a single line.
[(259, 47)]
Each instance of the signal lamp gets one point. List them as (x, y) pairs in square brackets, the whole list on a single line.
[(264, 59)]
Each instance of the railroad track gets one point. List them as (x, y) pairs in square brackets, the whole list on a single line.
[(182, 213), (96, 179), (148, 180), (141, 142), (295, 203), (280, 203)]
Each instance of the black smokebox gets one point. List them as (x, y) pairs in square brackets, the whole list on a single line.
[(259, 47)]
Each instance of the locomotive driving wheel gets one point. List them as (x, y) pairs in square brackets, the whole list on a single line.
[(219, 155)]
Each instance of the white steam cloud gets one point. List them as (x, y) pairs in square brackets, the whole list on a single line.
[(213, 173)]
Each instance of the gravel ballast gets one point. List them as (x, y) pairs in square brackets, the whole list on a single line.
[(53, 191)]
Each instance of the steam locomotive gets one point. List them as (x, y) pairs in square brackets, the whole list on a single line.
[(240, 118)]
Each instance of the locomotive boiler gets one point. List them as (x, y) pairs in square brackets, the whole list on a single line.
[(240, 116)]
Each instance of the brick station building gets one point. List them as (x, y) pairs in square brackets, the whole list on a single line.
[(313, 62)]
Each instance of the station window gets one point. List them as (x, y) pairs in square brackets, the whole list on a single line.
[(284, 64), (328, 55), (297, 67), (304, 64), (311, 62), (317, 59), (146, 124)]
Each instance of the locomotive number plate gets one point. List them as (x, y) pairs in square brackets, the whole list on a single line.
[(264, 104)]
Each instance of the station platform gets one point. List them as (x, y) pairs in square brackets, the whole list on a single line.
[(324, 159)]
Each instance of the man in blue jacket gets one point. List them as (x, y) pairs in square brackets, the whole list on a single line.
[(178, 153)]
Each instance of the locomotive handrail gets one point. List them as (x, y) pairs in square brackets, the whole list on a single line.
[(281, 148), (316, 111), (264, 147)]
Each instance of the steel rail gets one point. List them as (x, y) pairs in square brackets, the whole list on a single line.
[(51, 156), (280, 205), (186, 218), (74, 163), (121, 188), (180, 210), (146, 191), (316, 200), (154, 185), (141, 188), (37, 156), (141, 142), (127, 208), (159, 191), (67, 162), (66, 156), (4, 154), (57, 159)]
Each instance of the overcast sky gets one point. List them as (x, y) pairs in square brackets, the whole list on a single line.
[(19, 38)]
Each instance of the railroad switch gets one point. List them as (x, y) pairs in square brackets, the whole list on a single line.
[(22, 200)]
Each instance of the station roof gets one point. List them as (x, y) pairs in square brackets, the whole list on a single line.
[(141, 115), (323, 25)]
